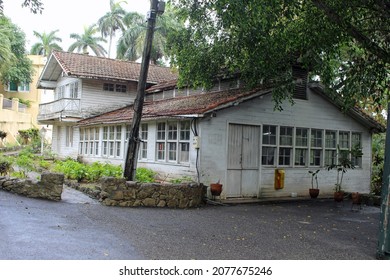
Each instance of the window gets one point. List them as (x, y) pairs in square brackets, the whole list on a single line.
[(269, 145), (12, 86), (60, 92), (89, 141), (144, 141), (184, 142), (161, 141), (301, 136), (69, 136), (111, 142), (173, 141), (356, 141), (74, 90), (316, 147), (114, 87), (344, 140), (330, 147), (285, 145), (24, 87)]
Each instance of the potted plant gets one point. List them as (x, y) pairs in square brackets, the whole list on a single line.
[(216, 188), (314, 192), (344, 163)]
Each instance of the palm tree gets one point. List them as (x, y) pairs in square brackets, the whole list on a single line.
[(130, 44), (47, 42), (6, 55), (88, 40), (112, 21)]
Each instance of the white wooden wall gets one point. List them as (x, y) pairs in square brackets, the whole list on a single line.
[(313, 113)]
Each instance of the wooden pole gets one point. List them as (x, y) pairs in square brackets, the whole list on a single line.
[(133, 141)]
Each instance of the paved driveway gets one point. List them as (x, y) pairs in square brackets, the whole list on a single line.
[(80, 228)]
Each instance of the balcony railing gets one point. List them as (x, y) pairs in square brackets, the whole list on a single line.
[(64, 105)]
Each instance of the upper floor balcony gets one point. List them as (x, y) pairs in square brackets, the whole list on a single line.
[(58, 109)]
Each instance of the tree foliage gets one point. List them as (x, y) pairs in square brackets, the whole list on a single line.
[(36, 6), (344, 43), (14, 64), (112, 21), (130, 44), (47, 43), (88, 40)]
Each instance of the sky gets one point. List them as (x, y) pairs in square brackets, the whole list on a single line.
[(68, 16)]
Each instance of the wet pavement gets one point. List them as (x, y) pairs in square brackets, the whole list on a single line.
[(78, 227)]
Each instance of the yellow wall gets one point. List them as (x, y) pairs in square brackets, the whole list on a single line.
[(34, 95)]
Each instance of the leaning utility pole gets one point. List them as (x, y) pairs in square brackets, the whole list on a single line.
[(156, 7), (383, 251)]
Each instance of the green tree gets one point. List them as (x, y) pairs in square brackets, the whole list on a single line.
[(47, 43), (88, 40), (112, 21), (35, 6), (344, 43), (130, 44), (14, 65)]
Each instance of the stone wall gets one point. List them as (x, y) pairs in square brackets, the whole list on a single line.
[(49, 187), (119, 192)]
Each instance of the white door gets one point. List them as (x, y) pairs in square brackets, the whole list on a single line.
[(243, 160)]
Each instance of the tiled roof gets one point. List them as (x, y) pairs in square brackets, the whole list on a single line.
[(179, 106), (86, 66)]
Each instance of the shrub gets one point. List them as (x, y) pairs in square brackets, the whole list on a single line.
[(145, 175), (5, 165), (75, 170)]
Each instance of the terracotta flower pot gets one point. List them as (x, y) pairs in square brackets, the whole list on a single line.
[(314, 193), (356, 198), (216, 189), (339, 196)]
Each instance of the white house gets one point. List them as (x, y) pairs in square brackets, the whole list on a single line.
[(85, 86), (229, 134), (234, 136)]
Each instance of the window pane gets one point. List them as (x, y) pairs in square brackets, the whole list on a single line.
[(184, 152), (344, 139), (301, 137), (330, 157), (172, 151), (284, 156), (185, 131), (315, 157), (161, 131), (269, 134), (316, 138), (286, 134), (172, 131), (330, 139), (300, 157), (160, 151), (268, 156)]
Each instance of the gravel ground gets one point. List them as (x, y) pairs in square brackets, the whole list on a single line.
[(78, 227)]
